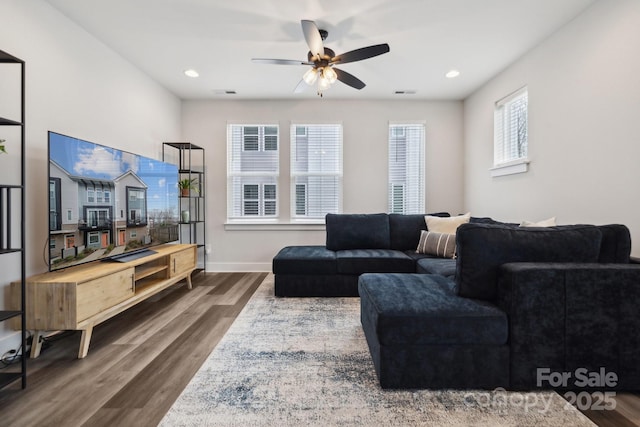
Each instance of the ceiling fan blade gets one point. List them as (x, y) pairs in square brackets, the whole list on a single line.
[(312, 36), (301, 87), (280, 61), (349, 79), (360, 54)]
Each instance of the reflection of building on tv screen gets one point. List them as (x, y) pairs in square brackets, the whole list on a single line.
[(104, 202)]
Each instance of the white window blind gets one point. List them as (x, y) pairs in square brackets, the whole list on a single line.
[(316, 170), (252, 171), (406, 168), (511, 128)]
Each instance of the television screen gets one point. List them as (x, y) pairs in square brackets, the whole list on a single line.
[(106, 203)]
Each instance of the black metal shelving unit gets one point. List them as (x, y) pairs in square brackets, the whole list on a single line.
[(190, 161), (8, 222)]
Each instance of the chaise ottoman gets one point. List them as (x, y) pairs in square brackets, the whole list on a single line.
[(421, 334)]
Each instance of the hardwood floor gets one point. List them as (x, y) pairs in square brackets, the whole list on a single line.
[(138, 361), (141, 360)]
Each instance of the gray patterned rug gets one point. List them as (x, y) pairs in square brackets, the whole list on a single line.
[(305, 362)]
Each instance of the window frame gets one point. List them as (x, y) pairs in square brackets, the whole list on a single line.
[(504, 142), (337, 174), (131, 206), (267, 155), (411, 176)]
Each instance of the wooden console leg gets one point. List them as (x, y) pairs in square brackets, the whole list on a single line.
[(189, 281), (84, 342), (36, 344)]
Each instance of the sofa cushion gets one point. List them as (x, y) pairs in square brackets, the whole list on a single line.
[(358, 261), (443, 266), (405, 229), (616, 243), (483, 248), (442, 245), (419, 309), (446, 225), (357, 231), (305, 260)]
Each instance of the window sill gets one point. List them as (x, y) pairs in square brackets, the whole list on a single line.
[(510, 168), (274, 226)]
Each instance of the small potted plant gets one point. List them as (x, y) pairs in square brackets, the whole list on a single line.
[(186, 185), (2, 149)]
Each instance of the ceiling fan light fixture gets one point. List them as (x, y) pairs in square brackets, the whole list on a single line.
[(321, 59), (310, 76), (329, 74), (323, 84)]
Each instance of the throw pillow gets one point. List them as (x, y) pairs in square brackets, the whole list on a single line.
[(442, 245), (551, 222), (446, 225)]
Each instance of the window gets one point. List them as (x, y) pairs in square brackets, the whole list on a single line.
[(511, 129), (250, 138), (97, 217), (90, 195), (316, 170), (107, 196), (260, 138), (269, 195), (397, 198), (270, 138), (301, 200), (99, 195), (252, 171), (406, 168), (136, 206), (259, 200), (93, 238), (55, 216), (251, 200)]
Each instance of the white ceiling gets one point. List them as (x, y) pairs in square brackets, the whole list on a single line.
[(218, 38)]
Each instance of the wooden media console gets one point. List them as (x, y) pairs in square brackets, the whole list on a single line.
[(81, 297)]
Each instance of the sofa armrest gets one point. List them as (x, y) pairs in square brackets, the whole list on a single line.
[(634, 260), (565, 316)]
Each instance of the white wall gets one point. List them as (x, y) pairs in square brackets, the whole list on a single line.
[(77, 86), (365, 134), (584, 111)]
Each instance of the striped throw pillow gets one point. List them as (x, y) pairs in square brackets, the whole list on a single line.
[(442, 245)]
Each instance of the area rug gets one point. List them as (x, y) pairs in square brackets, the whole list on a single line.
[(305, 362)]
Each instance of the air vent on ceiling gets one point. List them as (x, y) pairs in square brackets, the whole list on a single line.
[(224, 92), (405, 92)]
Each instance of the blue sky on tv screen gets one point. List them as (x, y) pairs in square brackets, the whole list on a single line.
[(86, 159)]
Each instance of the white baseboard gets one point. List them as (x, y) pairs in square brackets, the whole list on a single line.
[(238, 267)]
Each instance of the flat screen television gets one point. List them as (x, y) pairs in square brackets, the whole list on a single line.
[(107, 204)]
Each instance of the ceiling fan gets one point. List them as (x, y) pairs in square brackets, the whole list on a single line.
[(322, 60)]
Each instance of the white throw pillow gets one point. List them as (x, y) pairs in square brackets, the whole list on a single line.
[(447, 225), (550, 222)]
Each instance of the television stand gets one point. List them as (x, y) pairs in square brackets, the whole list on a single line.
[(81, 297)]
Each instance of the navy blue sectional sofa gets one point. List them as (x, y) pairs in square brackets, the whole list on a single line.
[(516, 305), (356, 244)]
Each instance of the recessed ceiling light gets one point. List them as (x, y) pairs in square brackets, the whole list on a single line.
[(191, 73), (452, 74)]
